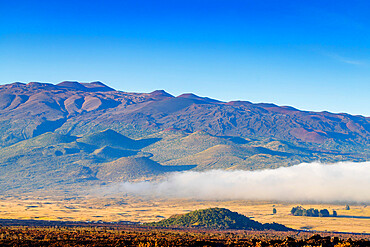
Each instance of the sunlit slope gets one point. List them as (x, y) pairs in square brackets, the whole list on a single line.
[(129, 168), (212, 152), (175, 144)]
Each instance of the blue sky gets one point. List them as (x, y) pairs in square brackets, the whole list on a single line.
[(314, 55)]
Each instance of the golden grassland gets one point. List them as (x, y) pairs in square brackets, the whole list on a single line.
[(137, 209)]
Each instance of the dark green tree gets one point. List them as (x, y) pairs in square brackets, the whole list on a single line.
[(274, 211), (335, 213), (324, 213), (313, 212)]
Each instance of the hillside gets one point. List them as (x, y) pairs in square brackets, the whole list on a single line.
[(28, 110), (217, 218), (53, 160), (129, 168), (63, 162)]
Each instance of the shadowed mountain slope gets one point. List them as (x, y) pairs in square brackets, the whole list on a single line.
[(109, 138)]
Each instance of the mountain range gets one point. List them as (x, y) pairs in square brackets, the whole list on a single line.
[(74, 133)]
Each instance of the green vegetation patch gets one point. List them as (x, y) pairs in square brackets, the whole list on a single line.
[(216, 218), (312, 212)]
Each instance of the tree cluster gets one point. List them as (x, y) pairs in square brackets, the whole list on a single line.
[(311, 212)]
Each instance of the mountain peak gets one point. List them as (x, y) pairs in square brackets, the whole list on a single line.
[(161, 93), (39, 85), (196, 97), (72, 85), (238, 103), (189, 96), (17, 83), (97, 86), (108, 137)]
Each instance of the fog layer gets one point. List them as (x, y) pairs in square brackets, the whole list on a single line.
[(305, 182)]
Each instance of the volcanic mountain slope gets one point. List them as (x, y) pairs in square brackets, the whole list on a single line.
[(217, 218), (29, 110), (66, 162), (212, 152), (129, 168), (53, 160), (175, 144), (88, 133)]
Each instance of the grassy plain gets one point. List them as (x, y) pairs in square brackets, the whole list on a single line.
[(127, 208)]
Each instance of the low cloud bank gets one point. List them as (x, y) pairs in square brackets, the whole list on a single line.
[(340, 182)]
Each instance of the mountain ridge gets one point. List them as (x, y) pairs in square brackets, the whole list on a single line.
[(29, 110), (61, 102)]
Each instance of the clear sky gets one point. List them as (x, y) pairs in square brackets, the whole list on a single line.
[(311, 54)]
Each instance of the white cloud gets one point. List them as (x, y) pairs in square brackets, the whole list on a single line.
[(305, 182), (345, 59)]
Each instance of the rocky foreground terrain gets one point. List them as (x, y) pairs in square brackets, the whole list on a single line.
[(136, 236)]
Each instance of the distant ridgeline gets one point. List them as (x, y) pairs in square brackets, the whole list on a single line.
[(217, 218), (312, 212)]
